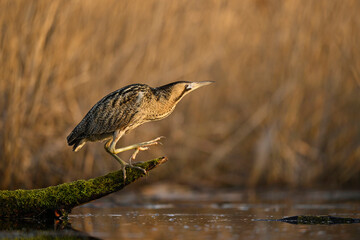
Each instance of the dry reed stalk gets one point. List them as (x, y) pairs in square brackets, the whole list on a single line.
[(59, 57)]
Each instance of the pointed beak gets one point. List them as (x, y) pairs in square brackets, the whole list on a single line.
[(195, 85)]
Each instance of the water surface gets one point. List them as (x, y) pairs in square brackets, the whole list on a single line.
[(226, 215)]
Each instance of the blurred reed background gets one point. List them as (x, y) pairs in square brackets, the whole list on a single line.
[(284, 111)]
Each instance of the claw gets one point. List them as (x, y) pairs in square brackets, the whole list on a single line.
[(158, 139)]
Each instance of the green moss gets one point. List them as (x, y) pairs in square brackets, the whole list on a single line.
[(62, 198)]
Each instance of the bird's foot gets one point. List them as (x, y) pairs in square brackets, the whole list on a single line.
[(138, 147), (122, 163), (136, 167), (129, 165), (142, 145), (133, 156), (151, 142)]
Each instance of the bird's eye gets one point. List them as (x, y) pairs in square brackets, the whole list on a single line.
[(188, 87)]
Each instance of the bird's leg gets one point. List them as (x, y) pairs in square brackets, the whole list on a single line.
[(122, 162), (133, 156), (143, 145)]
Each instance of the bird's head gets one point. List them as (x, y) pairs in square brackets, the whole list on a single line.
[(177, 90)]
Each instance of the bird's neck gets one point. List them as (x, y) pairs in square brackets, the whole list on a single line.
[(163, 104)]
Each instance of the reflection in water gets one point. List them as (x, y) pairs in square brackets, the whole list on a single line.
[(158, 224), (35, 229)]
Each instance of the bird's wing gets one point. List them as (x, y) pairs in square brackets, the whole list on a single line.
[(114, 111)]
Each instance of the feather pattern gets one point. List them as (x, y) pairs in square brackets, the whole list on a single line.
[(126, 109)]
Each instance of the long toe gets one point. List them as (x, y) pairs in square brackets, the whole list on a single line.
[(145, 145), (124, 172), (140, 168), (156, 140)]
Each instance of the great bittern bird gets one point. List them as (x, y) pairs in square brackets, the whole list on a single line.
[(125, 109)]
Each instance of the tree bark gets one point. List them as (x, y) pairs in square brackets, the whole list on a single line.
[(57, 201)]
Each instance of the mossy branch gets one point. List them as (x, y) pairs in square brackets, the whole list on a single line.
[(57, 201)]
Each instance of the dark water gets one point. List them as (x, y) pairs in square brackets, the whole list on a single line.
[(209, 215), (198, 217)]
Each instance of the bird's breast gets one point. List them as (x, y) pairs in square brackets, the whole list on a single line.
[(159, 111)]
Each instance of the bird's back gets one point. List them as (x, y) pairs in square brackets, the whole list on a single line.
[(118, 110)]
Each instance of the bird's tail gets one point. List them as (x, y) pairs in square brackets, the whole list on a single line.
[(76, 142), (79, 143)]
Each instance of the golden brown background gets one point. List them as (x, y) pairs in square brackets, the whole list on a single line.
[(284, 111)]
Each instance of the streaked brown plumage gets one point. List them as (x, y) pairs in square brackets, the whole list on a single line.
[(125, 109)]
